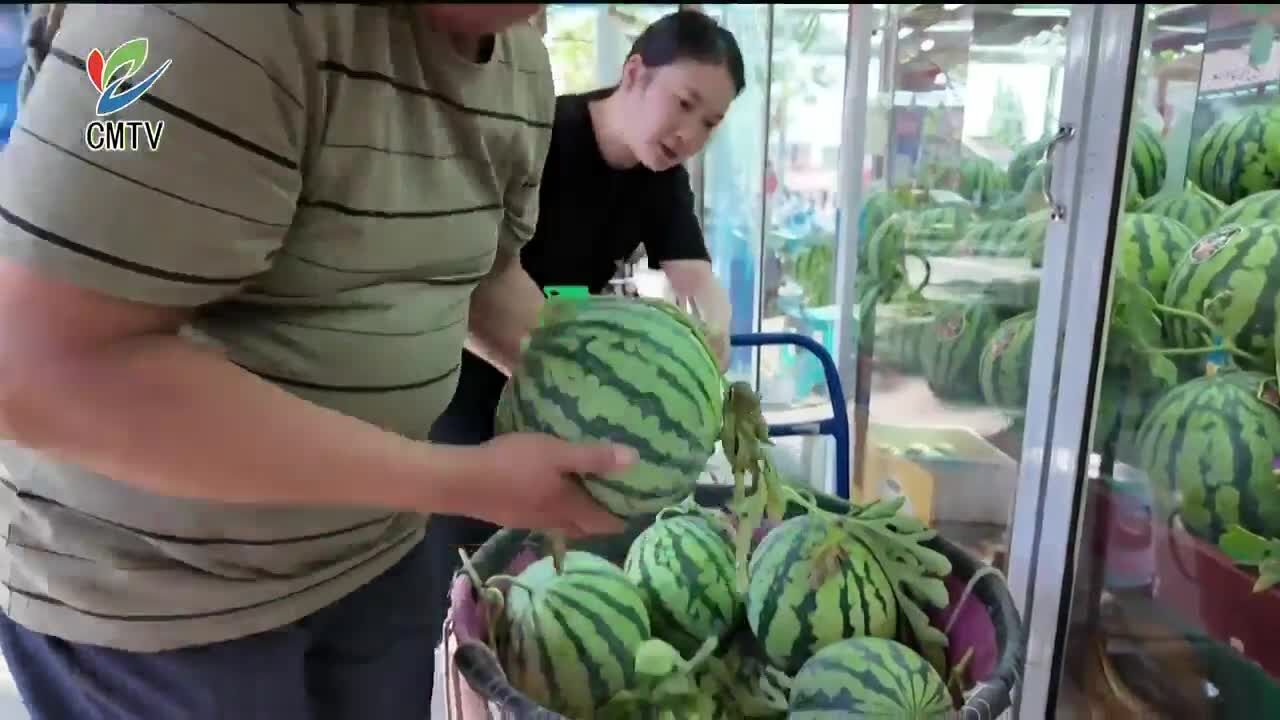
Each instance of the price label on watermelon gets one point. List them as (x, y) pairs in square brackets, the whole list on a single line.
[(1269, 393), (567, 292)]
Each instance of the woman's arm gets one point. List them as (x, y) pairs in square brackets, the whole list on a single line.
[(694, 279)]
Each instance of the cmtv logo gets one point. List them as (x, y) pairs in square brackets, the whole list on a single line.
[(110, 77)]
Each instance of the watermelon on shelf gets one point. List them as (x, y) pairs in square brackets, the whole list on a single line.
[(1259, 206), (1147, 160), (1005, 366), (683, 564), (1191, 206), (991, 238), (868, 677), (1239, 155), (1231, 278), (1148, 246), (951, 349), (1025, 160), (632, 371), (569, 639), (1207, 447)]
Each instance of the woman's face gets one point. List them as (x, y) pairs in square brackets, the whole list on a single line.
[(671, 110)]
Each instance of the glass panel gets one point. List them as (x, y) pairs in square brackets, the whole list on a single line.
[(960, 109), (1170, 616), (806, 104), (733, 179)]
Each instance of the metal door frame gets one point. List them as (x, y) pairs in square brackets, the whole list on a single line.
[(1071, 321)]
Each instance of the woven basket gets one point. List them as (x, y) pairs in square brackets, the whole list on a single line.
[(472, 685)]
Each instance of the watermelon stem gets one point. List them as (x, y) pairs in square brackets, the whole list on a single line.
[(1213, 328)]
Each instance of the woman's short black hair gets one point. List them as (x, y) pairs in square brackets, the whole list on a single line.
[(691, 35)]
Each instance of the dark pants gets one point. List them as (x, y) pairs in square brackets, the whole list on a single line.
[(368, 655), (467, 421)]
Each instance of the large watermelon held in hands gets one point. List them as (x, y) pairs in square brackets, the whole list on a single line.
[(1191, 206), (1207, 447), (1231, 276), (632, 371), (869, 677), (684, 565), (571, 638), (1239, 155), (806, 593)]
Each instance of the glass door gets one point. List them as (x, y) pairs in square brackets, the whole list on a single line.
[(972, 271), (963, 104), (1174, 595)]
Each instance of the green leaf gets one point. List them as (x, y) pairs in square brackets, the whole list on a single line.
[(128, 58), (1247, 548)]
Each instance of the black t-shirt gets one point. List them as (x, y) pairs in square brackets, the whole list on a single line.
[(591, 216)]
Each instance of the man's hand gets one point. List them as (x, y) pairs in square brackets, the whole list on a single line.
[(528, 480)]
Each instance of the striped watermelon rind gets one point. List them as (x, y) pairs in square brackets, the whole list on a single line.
[(1191, 206), (1239, 155), (1149, 246), (1005, 367), (1147, 160), (792, 616), (951, 350), (869, 677), (630, 371), (683, 564), (1241, 264), (571, 639), (1259, 206), (1207, 447)]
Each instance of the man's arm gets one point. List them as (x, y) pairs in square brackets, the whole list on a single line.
[(504, 310), (104, 256)]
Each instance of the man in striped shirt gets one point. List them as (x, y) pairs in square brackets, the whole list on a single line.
[(221, 348)]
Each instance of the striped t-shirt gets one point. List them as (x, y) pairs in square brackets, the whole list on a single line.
[(332, 182)]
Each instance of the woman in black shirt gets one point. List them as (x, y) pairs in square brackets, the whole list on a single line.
[(614, 181)]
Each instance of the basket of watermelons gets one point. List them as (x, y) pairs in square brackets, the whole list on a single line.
[(756, 599)]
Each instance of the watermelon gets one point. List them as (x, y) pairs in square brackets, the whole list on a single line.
[(795, 608), (869, 677), (936, 230), (631, 371), (951, 350), (684, 566), (1025, 160), (1030, 232), (1239, 155), (981, 182), (1191, 206), (877, 208), (1207, 447), (1261, 206), (588, 621), (1244, 260), (991, 238), (1148, 246), (1005, 366), (1122, 406), (898, 345), (1147, 160)]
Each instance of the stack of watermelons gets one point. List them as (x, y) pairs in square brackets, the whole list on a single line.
[(777, 604)]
